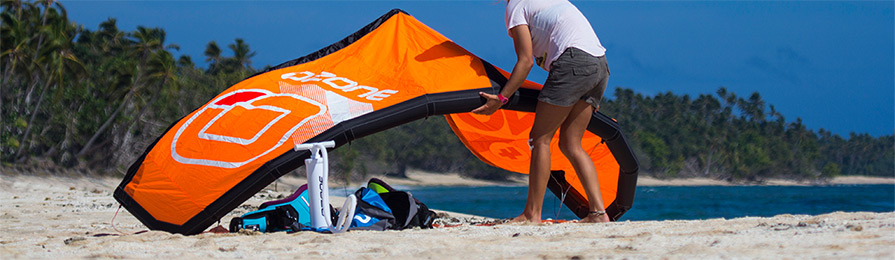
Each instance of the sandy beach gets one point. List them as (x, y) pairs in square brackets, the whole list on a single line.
[(70, 217)]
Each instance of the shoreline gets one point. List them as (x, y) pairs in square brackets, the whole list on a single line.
[(423, 178)]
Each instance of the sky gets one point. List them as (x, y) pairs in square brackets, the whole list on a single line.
[(830, 63)]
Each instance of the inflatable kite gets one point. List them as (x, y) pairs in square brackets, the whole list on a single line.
[(392, 71)]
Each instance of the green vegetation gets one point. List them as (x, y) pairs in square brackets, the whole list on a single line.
[(736, 138), (94, 100)]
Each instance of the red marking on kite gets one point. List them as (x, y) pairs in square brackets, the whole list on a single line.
[(510, 152), (519, 128), (494, 123), (239, 97)]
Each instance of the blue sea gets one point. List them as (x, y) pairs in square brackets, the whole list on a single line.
[(675, 202)]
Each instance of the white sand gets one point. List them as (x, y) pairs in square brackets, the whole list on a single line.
[(59, 217)]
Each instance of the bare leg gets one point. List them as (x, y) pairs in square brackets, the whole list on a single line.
[(570, 136), (547, 120)]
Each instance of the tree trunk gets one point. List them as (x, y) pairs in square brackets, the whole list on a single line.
[(4, 80), (137, 118), (105, 124), (3, 83), (111, 118), (66, 141), (30, 91), (37, 53), (7, 70), (144, 109), (402, 170), (34, 112)]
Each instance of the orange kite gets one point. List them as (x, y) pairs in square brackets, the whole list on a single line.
[(392, 71)]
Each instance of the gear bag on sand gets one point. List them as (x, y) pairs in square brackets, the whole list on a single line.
[(381, 207), (289, 214)]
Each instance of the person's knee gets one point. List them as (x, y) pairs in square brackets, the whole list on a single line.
[(534, 141), (568, 152), (568, 146), (536, 137)]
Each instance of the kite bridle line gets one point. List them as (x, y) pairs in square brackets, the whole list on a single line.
[(561, 198), (112, 222)]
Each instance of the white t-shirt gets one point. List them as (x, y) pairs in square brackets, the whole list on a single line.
[(555, 25)]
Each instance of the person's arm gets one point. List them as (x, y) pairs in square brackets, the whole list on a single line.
[(524, 62)]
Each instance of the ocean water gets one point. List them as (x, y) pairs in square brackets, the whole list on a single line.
[(670, 202)]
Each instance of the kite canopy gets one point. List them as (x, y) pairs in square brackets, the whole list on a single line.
[(392, 71)]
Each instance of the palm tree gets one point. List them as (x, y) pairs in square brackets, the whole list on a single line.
[(162, 71), (47, 7), (241, 53), (18, 34), (14, 5), (213, 56), (146, 42), (58, 61), (41, 32), (15, 50), (16, 41)]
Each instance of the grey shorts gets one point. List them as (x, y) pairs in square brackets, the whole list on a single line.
[(576, 75)]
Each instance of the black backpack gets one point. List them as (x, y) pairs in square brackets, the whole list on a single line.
[(406, 211)]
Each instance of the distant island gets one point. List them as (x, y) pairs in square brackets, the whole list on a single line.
[(93, 101)]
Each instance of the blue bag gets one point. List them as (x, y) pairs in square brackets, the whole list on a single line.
[(289, 214), (371, 213)]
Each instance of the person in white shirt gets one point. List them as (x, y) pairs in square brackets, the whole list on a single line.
[(556, 36)]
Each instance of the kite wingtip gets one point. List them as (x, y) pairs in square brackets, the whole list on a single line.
[(397, 10)]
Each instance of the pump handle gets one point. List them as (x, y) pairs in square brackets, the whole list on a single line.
[(308, 146)]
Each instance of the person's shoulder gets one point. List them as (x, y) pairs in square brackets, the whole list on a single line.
[(515, 8)]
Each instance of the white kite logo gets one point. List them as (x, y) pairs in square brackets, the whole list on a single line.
[(241, 101), (341, 83)]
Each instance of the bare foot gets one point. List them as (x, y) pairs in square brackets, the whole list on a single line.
[(602, 218), (522, 219)]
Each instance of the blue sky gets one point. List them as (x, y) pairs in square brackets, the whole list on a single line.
[(830, 63)]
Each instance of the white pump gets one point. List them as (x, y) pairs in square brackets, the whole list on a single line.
[(317, 167)]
